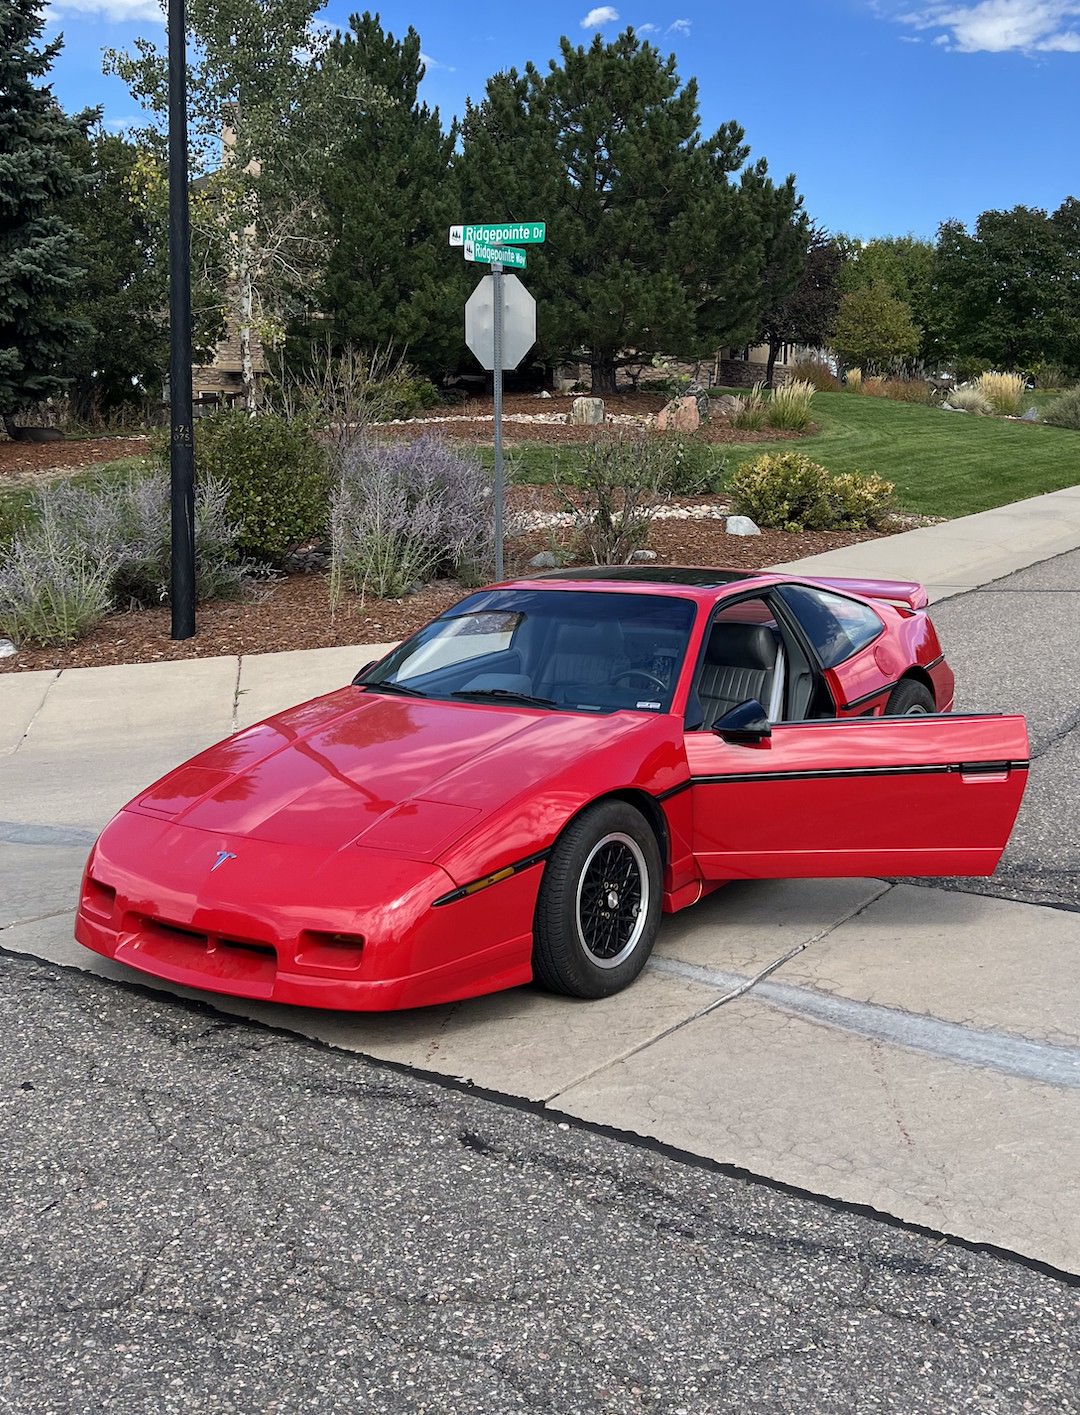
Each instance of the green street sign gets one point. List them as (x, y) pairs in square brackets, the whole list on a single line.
[(501, 233), (491, 255)]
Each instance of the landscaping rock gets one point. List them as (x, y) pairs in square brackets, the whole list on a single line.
[(586, 411), (701, 397), (7, 649), (544, 393), (726, 406), (742, 526), (680, 415), (544, 561), (639, 557)]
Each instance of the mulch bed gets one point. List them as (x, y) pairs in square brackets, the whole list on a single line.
[(295, 612), (28, 462)]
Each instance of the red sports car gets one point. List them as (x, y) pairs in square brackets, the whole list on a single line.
[(520, 790)]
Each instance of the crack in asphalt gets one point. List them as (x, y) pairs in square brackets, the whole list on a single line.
[(38, 710)]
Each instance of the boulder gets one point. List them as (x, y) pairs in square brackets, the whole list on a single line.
[(546, 560), (742, 526), (701, 398), (586, 411), (680, 415), (639, 557), (726, 406), (7, 648)]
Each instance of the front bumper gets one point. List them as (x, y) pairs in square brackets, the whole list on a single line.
[(349, 930)]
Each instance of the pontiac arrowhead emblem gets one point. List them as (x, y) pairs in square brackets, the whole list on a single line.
[(222, 856)]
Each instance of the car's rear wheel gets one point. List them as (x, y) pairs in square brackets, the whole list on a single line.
[(910, 699), (599, 907)]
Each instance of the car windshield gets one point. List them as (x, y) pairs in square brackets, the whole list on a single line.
[(563, 650)]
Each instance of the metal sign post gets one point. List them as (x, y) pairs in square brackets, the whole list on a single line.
[(500, 321), (497, 278)]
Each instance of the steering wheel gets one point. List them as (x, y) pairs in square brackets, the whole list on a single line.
[(640, 673)]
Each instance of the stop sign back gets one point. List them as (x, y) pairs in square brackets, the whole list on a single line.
[(519, 322)]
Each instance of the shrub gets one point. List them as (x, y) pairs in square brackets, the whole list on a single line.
[(1064, 411), (689, 464), (789, 406), (88, 550), (1003, 391), (853, 380), (752, 415), (275, 475), (899, 390), (969, 399), (817, 373), (400, 515), (51, 590), (1048, 375), (789, 491), (616, 491)]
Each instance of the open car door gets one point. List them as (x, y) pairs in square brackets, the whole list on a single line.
[(918, 795)]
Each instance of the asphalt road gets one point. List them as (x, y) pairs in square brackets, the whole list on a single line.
[(1015, 646), (202, 1214)]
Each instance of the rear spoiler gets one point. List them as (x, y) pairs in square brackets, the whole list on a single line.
[(905, 594)]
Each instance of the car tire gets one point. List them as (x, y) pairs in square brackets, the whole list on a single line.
[(599, 907), (910, 699)]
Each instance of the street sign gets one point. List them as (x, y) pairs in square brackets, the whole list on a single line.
[(501, 233), (494, 255), (519, 321)]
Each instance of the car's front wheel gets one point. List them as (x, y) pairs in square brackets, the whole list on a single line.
[(599, 907)]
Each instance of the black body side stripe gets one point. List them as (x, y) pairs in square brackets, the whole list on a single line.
[(838, 773), (869, 697), (494, 877), (934, 662)]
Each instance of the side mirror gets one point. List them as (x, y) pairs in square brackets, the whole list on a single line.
[(361, 671), (746, 723)]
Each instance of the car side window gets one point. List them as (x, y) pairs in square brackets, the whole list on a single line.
[(837, 627)]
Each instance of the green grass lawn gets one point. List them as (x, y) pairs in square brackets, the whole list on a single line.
[(16, 501), (943, 464)]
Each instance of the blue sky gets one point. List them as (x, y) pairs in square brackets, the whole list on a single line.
[(894, 115)]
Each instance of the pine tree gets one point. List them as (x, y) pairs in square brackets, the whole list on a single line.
[(39, 271), (391, 279), (652, 247)]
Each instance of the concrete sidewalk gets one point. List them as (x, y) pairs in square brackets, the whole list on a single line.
[(903, 1047)]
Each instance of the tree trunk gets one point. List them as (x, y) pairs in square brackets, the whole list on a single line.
[(603, 377), (774, 349), (244, 324)]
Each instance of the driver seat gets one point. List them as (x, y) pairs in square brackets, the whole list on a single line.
[(584, 655), (742, 661)]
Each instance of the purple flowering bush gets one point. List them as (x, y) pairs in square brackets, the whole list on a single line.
[(86, 551), (408, 513)]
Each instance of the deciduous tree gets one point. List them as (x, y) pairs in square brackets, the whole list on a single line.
[(874, 330), (806, 313)]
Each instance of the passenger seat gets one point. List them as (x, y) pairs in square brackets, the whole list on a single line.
[(742, 661)]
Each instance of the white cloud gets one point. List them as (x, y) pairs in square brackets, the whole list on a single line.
[(679, 27), (602, 15), (1001, 26), (429, 63), (119, 10), (646, 29)]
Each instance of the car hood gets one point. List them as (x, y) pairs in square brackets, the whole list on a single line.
[(400, 774)]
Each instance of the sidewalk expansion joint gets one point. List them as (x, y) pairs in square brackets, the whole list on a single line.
[(736, 985), (1049, 1063)]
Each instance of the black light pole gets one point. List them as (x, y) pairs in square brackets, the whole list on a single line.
[(182, 453)]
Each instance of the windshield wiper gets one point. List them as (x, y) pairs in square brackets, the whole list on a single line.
[(506, 695), (402, 688)]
